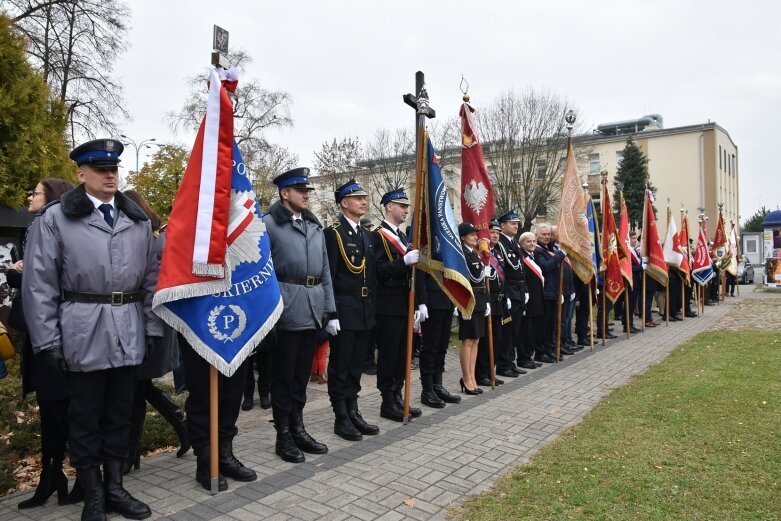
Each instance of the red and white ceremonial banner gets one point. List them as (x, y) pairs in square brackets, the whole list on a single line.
[(719, 246), (683, 241), (624, 246), (614, 282), (672, 244), (206, 188), (650, 245), (574, 235), (477, 195)]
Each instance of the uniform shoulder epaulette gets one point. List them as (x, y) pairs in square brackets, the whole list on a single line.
[(47, 206)]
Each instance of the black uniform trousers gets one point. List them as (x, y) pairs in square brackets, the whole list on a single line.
[(391, 352), (674, 284), (511, 334), (483, 364), (345, 364), (100, 407), (525, 344), (436, 336), (262, 360), (582, 305), (603, 316), (292, 366), (551, 314), (197, 404)]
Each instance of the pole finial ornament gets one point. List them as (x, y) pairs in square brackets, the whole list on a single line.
[(464, 88)]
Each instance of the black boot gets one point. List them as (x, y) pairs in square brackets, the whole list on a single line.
[(203, 472), (94, 497), (76, 494), (52, 479), (265, 400), (117, 498), (172, 413), (285, 447), (414, 412), (390, 409), (427, 395), (355, 416), (443, 393), (343, 427), (231, 467), (301, 438)]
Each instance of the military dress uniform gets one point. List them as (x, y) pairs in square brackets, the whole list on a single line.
[(393, 286), (354, 278), (90, 271), (515, 290), (499, 311), (301, 264), (435, 339)]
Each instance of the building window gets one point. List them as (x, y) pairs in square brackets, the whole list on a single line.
[(734, 173), (593, 164), (720, 165), (619, 158), (541, 167), (751, 246)]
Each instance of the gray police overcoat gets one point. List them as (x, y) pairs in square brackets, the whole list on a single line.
[(71, 248), (297, 253)]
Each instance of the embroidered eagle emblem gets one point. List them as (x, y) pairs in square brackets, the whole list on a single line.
[(475, 196)]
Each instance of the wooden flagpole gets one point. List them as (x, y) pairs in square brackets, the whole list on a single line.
[(642, 304), (591, 314), (490, 331), (422, 110)]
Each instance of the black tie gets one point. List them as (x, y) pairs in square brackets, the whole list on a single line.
[(106, 209), (299, 223), (403, 237)]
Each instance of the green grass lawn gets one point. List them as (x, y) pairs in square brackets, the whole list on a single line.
[(696, 437)]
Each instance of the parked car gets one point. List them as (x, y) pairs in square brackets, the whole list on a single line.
[(745, 271)]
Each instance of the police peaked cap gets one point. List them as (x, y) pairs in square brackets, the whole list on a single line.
[(509, 217), (98, 153), (348, 189), (296, 178), (466, 228), (395, 196)]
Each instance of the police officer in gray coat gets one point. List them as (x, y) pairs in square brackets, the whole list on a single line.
[(90, 272), (301, 263)]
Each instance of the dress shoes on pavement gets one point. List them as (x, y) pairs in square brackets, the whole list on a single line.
[(528, 365), (608, 335), (508, 374), (651, 323), (546, 359), (691, 314), (564, 351)]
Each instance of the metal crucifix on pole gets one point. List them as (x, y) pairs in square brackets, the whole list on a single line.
[(418, 101)]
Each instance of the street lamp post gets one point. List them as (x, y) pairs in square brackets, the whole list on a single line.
[(138, 146)]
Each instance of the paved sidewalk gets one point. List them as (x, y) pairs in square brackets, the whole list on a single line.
[(413, 471)]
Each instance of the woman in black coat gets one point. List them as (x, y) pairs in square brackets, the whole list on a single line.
[(49, 386), (471, 329)]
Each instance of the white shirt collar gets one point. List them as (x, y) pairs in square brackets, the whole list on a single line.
[(97, 202), (352, 223), (509, 237), (392, 226)]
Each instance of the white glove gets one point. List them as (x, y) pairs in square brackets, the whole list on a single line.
[(525, 298), (644, 263), (597, 291), (572, 297), (487, 309), (416, 323), (411, 257), (509, 304), (333, 327), (487, 271), (423, 312), (455, 312), (562, 299)]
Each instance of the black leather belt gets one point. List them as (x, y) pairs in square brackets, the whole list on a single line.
[(115, 298), (361, 292), (478, 289), (520, 283), (309, 281)]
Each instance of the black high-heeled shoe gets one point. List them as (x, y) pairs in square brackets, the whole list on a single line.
[(466, 390), (52, 480)]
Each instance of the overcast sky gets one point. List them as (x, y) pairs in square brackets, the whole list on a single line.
[(346, 65)]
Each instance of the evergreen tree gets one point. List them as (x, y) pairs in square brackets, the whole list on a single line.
[(754, 223), (632, 177), (32, 124)]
